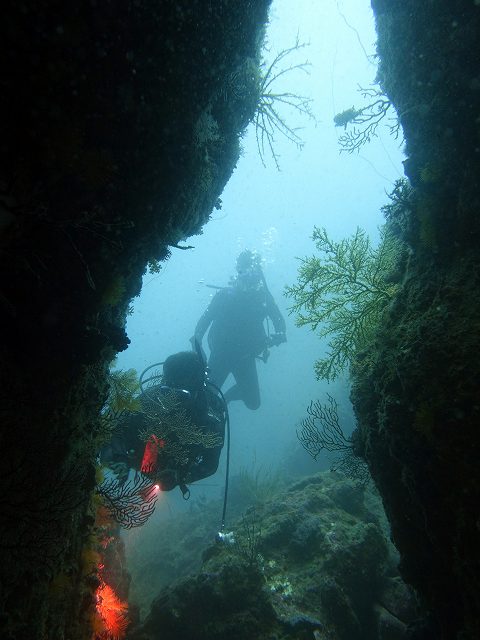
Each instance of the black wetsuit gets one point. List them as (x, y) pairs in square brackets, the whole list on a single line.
[(237, 335)]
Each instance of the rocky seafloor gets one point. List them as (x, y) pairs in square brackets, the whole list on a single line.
[(311, 561)]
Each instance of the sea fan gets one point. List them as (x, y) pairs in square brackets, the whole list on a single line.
[(112, 611), (130, 503)]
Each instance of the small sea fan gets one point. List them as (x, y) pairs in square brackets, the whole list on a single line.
[(131, 503)]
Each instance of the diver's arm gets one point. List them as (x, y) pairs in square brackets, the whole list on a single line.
[(275, 314), (204, 321), (202, 325)]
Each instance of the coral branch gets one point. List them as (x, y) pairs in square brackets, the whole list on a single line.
[(321, 431), (130, 503), (268, 120), (368, 118), (343, 294)]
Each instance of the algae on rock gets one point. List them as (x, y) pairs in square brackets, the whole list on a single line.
[(323, 564)]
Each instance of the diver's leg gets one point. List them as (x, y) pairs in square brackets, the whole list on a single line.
[(218, 368), (246, 388), (234, 393)]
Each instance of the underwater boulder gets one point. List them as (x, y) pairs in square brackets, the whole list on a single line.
[(300, 567), (228, 602)]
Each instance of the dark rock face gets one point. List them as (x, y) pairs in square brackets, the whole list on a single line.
[(228, 603), (302, 566), (419, 408), (120, 129)]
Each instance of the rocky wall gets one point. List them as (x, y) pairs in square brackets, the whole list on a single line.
[(418, 408), (120, 128)]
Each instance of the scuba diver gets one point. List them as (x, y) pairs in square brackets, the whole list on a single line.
[(177, 435), (237, 335)]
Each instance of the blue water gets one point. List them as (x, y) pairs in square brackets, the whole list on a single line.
[(274, 213)]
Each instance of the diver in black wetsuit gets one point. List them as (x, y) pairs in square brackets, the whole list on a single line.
[(237, 334), (177, 436)]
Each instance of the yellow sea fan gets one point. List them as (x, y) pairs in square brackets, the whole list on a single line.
[(124, 387)]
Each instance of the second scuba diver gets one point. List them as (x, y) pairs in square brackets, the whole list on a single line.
[(237, 335), (177, 436)]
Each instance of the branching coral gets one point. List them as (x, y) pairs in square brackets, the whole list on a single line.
[(123, 397), (130, 503), (401, 200), (123, 392), (343, 293), (321, 430), (268, 120), (368, 118)]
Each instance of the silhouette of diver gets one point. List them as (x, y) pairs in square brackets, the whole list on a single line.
[(177, 436), (237, 334)]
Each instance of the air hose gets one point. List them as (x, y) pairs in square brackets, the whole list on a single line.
[(227, 466), (199, 351), (156, 376)]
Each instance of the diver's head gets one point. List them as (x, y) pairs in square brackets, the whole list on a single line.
[(184, 370), (249, 270)]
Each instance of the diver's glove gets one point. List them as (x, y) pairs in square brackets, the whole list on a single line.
[(276, 338), (120, 469)]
